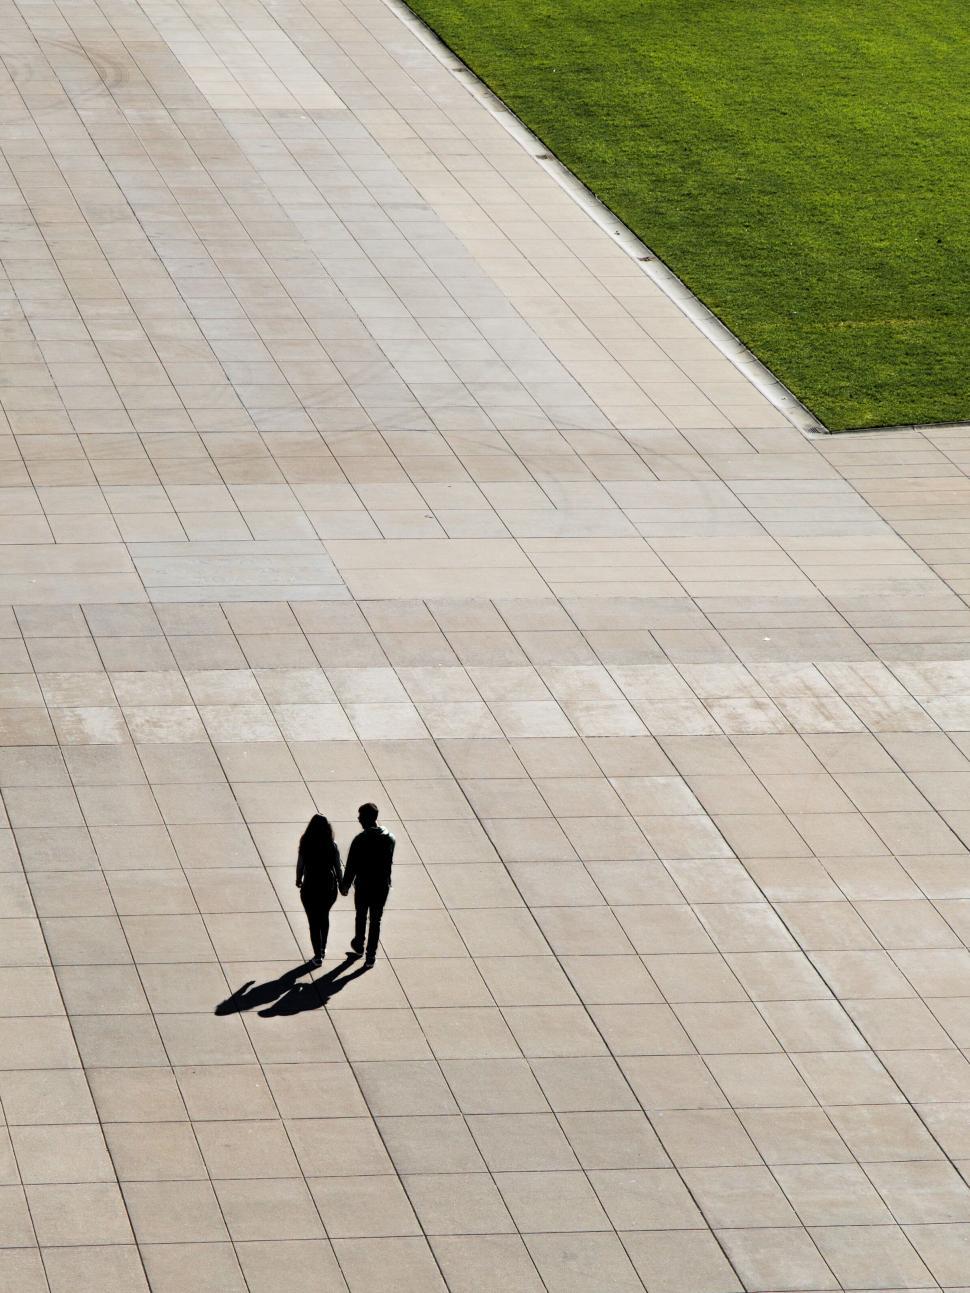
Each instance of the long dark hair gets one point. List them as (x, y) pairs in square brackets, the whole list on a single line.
[(317, 840)]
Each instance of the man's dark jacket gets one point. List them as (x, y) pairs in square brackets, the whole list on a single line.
[(369, 862)]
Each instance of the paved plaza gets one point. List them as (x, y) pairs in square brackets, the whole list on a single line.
[(344, 457)]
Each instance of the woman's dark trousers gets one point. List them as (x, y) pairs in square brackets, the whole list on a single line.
[(317, 907)]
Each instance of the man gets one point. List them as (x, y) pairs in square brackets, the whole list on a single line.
[(368, 869)]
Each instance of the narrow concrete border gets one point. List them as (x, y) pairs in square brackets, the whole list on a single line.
[(716, 332), (920, 428)]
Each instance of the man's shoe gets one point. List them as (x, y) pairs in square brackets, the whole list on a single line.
[(316, 960), (355, 952), (370, 962)]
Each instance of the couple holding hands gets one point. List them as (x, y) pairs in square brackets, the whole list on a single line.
[(319, 879)]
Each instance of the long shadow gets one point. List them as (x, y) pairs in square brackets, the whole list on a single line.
[(253, 994), (286, 995), (311, 996)]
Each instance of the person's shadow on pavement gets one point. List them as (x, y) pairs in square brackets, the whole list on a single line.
[(311, 996), (286, 995)]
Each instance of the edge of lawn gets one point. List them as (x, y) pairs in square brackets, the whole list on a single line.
[(713, 327)]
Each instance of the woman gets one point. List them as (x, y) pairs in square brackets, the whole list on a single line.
[(318, 878)]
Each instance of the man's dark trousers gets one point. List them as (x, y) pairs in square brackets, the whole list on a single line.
[(368, 904)]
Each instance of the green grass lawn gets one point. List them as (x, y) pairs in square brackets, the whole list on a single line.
[(803, 165)]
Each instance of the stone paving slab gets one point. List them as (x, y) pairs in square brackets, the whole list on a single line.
[(344, 457)]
